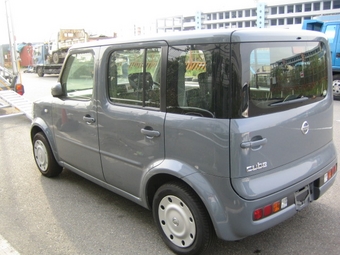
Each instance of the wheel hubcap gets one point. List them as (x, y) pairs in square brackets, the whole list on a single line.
[(177, 221), (336, 87), (40, 154)]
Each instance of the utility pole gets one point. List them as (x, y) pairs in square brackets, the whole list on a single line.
[(13, 44)]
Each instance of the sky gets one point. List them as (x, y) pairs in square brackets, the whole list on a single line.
[(39, 20)]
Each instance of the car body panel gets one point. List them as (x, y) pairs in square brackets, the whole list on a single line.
[(209, 154)]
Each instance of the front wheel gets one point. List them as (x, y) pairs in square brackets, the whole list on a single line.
[(40, 71), (44, 157), (182, 219)]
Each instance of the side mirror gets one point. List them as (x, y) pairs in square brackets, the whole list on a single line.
[(57, 90)]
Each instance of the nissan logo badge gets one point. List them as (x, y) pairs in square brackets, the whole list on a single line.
[(305, 128)]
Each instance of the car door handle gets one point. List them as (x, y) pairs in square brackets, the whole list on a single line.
[(149, 133), (88, 119), (254, 144)]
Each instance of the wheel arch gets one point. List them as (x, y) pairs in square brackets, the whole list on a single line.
[(198, 184), (39, 125)]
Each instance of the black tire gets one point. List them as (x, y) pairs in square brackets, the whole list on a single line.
[(40, 71), (182, 219), (336, 77), (44, 157), (55, 58)]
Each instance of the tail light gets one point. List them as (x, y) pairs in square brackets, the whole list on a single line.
[(327, 176), (19, 88), (270, 209)]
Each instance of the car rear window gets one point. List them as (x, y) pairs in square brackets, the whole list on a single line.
[(280, 76)]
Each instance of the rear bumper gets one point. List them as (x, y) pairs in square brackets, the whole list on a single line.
[(247, 226), (239, 214)]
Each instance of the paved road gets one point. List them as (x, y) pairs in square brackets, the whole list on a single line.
[(70, 215)]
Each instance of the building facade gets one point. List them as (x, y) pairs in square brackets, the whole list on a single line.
[(287, 14)]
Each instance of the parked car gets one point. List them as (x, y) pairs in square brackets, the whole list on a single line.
[(218, 133)]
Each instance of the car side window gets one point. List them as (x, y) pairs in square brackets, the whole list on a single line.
[(189, 80), (134, 77), (78, 76)]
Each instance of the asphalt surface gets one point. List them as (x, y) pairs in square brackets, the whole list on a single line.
[(70, 215)]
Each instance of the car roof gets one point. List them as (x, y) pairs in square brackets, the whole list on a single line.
[(214, 36)]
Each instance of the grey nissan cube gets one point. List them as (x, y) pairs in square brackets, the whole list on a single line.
[(220, 133)]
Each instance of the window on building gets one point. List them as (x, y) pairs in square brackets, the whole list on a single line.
[(227, 16), (239, 24), (298, 20), (247, 13), (233, 14), (290, 8), (273, 10), (221, 15), (281, 9), (298, 8), (253, 13), (247, 23), (253, 23), (308, 7), (240, 14), (290, 21), (221, 25), (209, 26), (316, 6), (336, 4), (214, 16), (281, 21), (327, 5), (273, 22)]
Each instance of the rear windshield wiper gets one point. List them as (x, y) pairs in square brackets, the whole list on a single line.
[(290, 100)]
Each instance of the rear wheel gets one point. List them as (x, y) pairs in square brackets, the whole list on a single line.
[(182, 219), (55, 58), (44, 157)]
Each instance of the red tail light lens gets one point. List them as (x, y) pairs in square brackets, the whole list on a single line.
[(270, 209), (258, 214), (19, 88)]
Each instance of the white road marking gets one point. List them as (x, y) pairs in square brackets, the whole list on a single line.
[(6, 248)]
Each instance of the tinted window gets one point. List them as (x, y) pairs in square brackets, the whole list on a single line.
[(281, 76), (134, 77), (197, 80), (77, 78)]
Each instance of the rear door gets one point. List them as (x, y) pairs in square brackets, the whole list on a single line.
[(131, 132), (287, 118)]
